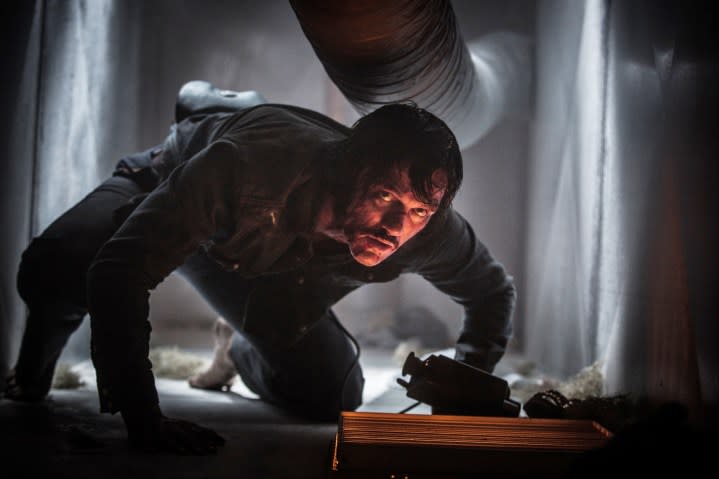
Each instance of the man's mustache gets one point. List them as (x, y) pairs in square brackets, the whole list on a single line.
[(382, 236)]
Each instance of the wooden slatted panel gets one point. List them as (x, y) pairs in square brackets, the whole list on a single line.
[(438, 444), (470, 431)]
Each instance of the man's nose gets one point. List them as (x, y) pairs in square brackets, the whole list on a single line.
[(393, 222)]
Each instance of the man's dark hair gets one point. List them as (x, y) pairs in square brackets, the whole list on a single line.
[(402, 135)]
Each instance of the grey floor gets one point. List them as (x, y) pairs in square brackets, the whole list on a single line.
[(65, 436)]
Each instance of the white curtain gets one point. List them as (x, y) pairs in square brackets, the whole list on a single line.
[(566, 186), (87, 84), (621, 256), (79, 122)]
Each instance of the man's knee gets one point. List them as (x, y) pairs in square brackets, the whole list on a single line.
[(325, 399), (318, 376), (52, 268)]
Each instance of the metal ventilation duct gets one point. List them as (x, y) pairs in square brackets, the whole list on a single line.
[(381, 51)]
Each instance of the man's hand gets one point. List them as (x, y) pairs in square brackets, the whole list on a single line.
[(163, 434)]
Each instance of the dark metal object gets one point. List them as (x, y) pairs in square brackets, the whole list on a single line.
[(379, 51), (612, 412), (455, 388)]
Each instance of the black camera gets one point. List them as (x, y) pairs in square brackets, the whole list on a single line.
[(455, 388)]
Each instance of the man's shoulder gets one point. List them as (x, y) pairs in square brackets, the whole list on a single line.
[(444, 225)]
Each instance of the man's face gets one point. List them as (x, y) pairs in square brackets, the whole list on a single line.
[(387, 215)]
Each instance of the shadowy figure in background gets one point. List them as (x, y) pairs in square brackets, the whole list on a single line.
[(273, 213)]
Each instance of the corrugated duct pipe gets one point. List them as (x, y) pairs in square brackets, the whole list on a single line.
[(380, 51)]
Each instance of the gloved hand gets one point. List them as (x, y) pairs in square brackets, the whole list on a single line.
[(158, 433)]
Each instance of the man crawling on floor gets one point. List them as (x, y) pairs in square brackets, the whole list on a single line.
[(273, 213)]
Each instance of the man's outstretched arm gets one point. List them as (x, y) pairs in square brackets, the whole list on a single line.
[(463, 268), (166, 227)]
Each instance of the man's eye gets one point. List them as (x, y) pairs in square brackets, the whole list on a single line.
[(421, 212), (384, 196)]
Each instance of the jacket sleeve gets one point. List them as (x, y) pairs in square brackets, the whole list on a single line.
[(462, 267), (155, 239)]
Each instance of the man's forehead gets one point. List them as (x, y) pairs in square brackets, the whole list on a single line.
[(399, 182)]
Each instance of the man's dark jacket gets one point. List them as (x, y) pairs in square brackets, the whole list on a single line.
[(245, 189)]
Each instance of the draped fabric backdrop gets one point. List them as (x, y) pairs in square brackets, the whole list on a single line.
[(86, 47), (68, 123), (621, 258), (565, 186), (19, 50)]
